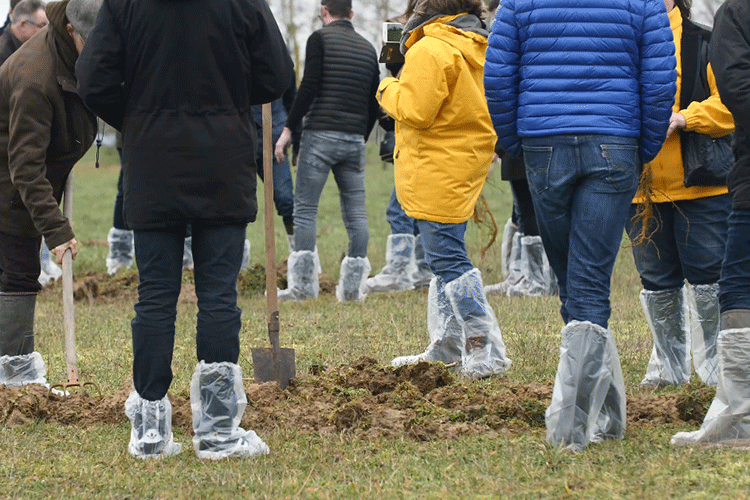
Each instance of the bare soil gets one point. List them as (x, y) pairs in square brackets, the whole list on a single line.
[(364, 400)]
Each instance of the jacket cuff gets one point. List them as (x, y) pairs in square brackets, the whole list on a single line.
[(60, 236)]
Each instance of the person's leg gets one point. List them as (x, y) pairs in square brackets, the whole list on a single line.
[(398, 220), (349, 173), (734, 285), (120, 237), (522, 199), (312, 173)]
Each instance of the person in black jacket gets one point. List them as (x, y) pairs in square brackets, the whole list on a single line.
[(728, 419), (337, 94), (178, 79)]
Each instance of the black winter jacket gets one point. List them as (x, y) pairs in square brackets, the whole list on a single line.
[(178, 78), (729, 54)]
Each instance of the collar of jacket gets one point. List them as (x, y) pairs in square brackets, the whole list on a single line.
[(414, 28), (340, 22)]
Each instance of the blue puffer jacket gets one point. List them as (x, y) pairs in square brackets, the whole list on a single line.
[(581, 67)]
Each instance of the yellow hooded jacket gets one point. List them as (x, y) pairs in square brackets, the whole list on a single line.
[(444, 134)]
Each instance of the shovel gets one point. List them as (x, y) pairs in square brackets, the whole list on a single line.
[(274, 363), (69, 325)]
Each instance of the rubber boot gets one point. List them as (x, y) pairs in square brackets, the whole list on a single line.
[(218, 401), (538, 279), (666, 314), (17, 323), (50, 271), (120, 250), (588, 398), (396, 275), (422, 276), (515, 270), (302, 277), (703, 301), (352, 279), (506, 246), (446, 335), (150, 427), (484, 352)]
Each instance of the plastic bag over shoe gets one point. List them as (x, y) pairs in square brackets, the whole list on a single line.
[(24, 369), (151, 427), (352, 279), (396, 275), (120, 249), (588, 399), (537, 277), (515, 271), (302, 276), (703, 303)]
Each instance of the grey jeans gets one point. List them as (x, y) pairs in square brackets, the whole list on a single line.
[(322, 151)]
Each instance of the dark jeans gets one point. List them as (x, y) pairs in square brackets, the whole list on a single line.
[(217, 253), (445, 249), (398, 220), (734, 286), (582, 187), (19, 264), (686, 242)]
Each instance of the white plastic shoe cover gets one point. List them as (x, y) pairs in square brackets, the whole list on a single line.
[(728, 419), (515, 272), (50, 270), (23, 369), (703, 303), (218, 401), (422, 276), (151, 427), (588, 399), (506, 246), (396, 275), (484, 352), (187, 254), (446, 336), (120, 249), (537, 277), (666, 314), (245, 256), (352, 278), (302, 277)]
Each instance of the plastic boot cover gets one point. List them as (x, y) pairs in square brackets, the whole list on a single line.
[(666, 314), (484, 353), (187, 254), (218, 401), (588, 399), (538, 278), (703, 301), (16, 371), (515, 272), (399, 267), (245, 256), (290, 242), (120, 249), (151, 427), (50, 270), (302, 278), (17, 323), (506, 246), (352, 279), (423, 274), (728, 419), (445, 333)]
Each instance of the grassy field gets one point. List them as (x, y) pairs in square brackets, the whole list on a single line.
[(43, 460)]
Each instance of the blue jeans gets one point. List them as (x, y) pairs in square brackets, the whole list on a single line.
[(687, 243), (582, 187), (734, 286), (217, 253), (445, 249), (323, 151), (400, 222)]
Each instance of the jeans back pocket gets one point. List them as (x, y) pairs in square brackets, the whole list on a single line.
[(537, 160)]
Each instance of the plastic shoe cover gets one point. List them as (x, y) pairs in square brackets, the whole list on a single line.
[(151, 427), (666, 314), (399, 267), (728, 419), (354, 272), (515, 273), (703, 301), (446, 336), (187, 254), (290, 242), (24, 369), (245, 256), (484, 353), (50, 270), (423, 275), (588, 399), (506, 246), (302, 279), (120, 249), (218, 401), (538, 279)]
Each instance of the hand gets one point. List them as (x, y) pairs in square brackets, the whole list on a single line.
[(59, 250), (676, 121), (282, 144), (495, 157)]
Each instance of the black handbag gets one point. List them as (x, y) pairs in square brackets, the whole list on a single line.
[(387, 145), (709, 159)]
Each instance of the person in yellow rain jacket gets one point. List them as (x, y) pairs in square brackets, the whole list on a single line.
[(444, 146), (684, 229)]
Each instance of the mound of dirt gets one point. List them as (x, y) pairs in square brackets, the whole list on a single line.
[(363, 400)]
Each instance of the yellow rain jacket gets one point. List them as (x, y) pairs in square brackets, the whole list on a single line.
[(444, 134)]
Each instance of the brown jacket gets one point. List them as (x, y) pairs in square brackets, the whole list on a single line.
[(44, 130)]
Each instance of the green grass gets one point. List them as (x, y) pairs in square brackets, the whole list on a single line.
[(41, 460)]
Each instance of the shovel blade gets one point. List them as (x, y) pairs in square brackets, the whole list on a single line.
[(268, 368)]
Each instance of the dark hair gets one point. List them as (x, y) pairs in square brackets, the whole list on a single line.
[(24, 10), (450, 7), (492, 4), (684, 6), (13, 4), (338, 8)]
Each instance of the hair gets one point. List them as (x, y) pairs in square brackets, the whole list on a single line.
[(25, 10), (13, 4), (338, 8), (684, 6), (450, 7), (492, 4), (81, 15)]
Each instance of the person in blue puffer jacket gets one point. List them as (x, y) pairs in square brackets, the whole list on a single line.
[(584, 89)]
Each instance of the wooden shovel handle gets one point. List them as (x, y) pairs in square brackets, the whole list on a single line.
[(271, 297), (69, 324)]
